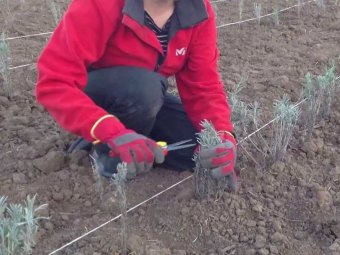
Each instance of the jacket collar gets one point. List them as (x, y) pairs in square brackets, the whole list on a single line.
[(187, 12)]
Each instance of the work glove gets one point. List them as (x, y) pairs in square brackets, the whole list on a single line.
[(221, 160), (138, 151)]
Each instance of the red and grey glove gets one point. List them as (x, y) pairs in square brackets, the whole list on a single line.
[(221, 160), (138, 151)]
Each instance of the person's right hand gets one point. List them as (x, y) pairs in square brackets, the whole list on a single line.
[(137, 151)]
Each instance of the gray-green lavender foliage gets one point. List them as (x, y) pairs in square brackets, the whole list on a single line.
[(313, 101), (319, 94), (205, 186), (240, 9), (18, 226), (243, 115), (321, 4), (276, 18), (55, 10), (5, 64), (287, 116), (327, 84), (97, 177), (119, 180), (299, 4), (258, 11)]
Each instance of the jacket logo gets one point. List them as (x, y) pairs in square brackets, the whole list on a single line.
[(181, 52)]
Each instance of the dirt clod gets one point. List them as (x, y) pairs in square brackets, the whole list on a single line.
[(260, 241), (323, 197), (258, 208), (278, 238), (179, 252), (251, 223), (250, 252), (299, 235), (263, 251), (19, 178), (334, 247), (51, 162), (273, 249)]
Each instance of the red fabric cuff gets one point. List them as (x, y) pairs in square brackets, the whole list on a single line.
[(107, 129), (228, 136)]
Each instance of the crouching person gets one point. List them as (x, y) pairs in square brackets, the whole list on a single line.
[(103, 76)]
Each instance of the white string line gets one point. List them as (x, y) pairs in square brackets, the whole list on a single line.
[(269, 14), (27, 36), (270, 122), (17, 67), (171, 187), (218, 1), (120, 215)]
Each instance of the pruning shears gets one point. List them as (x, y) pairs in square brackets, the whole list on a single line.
[(175, 146)]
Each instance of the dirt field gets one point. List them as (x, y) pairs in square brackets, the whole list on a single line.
[(289, 208)]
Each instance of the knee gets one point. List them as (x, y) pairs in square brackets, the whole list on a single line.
[(146, 90), (128, 90)]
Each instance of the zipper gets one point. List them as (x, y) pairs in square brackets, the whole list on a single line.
[(160, 60)]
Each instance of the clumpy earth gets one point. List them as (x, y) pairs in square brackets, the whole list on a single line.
[(289, 207)]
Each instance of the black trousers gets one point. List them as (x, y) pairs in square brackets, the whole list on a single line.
[(139, 99)]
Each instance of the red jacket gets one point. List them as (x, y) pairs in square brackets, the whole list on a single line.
[(106, 33)]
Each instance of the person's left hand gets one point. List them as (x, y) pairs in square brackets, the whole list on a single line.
[(221, 160)]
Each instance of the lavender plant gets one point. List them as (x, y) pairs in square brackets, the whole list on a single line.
[(97, 177), (18, 226), (313, 102), (299, 7), (243, 114), (319, 95), (258, 10), (55, 10), (276, 16), (204, 185), (119, 180), (287, 116), (240, 9), (321, 4), (327, 85), (5, 64)]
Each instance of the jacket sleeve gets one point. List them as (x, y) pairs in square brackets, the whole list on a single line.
[(79, 40), (199, 84)]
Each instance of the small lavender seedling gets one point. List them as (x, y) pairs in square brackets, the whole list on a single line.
[(327, 85), (5, 11), (299, 7), (56, 11), (31, 223), (97, 177), (240, 9), (313, 99), (276, 16), (204, 185), (258, 10), (5, 64), (287, 115), (119, 180), (321, 4), (242, 113), (319, 94), (18, 226), (239, 111)]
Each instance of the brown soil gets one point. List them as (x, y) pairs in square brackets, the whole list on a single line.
[(289, 208)]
